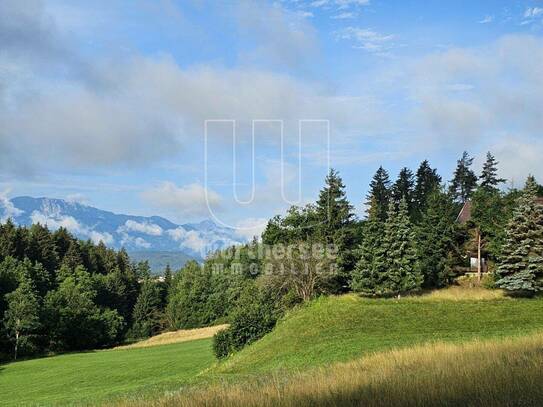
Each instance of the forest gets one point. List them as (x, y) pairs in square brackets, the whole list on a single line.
[(60, 294)]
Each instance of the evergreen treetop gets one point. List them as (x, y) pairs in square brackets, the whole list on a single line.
[(427, 181), (489, 176), (379, 193), (403, 188), (464, 181), (333, 208)]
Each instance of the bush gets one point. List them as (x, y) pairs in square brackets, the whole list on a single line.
[(254, 316), (222, 343)]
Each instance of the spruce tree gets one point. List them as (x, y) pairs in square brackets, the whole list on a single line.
[(403, 188), (379, 193), (436, 235), (146, 314), (371, 266), (333, 208), (403, 274), (336, 227), (464, 180), (521, 267), (489, 177), (427, 181)]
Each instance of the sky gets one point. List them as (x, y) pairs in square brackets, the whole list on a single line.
[(235, 110)]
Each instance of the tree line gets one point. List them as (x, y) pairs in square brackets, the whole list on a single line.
[(58, 293)]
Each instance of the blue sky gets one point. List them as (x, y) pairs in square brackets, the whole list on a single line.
[(106, 103)]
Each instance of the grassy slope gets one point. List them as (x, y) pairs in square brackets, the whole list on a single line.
[(324, 332), (95, 376), (497, 373), (338, 329)]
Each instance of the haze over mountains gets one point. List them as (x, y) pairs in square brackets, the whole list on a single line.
[(145, 237)]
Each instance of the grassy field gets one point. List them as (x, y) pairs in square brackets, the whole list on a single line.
[(339, 329), (95, 376), (505, 372), (312, 341)]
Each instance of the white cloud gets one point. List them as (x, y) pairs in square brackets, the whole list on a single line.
[(366, 39), (532, 12), (319, 3), (98, 237), (343, 16), (190, 239), (306, 14), (190, 200), (134, 122), (146, 228), (71, 224), (251, 227), (109, 117), (78, 198), (195, 242), (340, 4), (502, 90), (486, 20), (8, 209), (519, 157), (347, 3), (282, 37)]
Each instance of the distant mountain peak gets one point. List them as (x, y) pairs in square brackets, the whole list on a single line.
[(134, 233)]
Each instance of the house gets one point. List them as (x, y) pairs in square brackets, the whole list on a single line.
[(478, 262)]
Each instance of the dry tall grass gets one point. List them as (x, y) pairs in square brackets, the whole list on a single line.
[(491, 373), (182, 335), (460, 293)]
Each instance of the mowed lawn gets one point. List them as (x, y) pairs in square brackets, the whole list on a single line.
[(340, 329), (94, 376)]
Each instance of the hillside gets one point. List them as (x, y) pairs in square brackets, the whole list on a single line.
[(339, 329), (327, 331), (498, 373)]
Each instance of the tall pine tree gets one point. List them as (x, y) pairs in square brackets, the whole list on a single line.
[(337, 226), (521, 266), (146, 314), (333, 208), (388, 262), (371, 266), (379, 193), (403, 188), (436, 234), (403, 274), (427, 181), (464, 180), (489, 177)]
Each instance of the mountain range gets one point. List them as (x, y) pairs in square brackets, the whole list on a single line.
[(146, 237)]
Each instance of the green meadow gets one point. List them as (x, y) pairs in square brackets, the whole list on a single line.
[(320, 334), (92, 377)]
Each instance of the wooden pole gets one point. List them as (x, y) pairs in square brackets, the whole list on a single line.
[(479, 271)]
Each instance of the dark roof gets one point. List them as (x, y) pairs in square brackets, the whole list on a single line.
[(465, 213)]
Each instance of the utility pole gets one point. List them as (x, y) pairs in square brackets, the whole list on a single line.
[(479, 265)]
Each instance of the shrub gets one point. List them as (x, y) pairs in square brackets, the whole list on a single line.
[(222, 343), (254, 316)]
